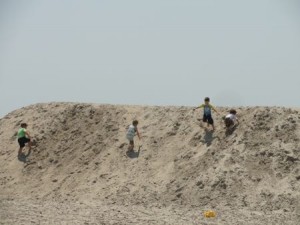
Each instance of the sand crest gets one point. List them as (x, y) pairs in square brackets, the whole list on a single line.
[(80, 173)]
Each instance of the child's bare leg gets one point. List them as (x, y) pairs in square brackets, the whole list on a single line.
[(20, 151), (131, 145)]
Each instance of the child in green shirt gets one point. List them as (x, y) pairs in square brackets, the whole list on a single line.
[(23, 138)]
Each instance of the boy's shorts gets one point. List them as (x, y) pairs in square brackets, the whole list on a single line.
[(130, 138), (22, 141), (228, 122), (208, 118)]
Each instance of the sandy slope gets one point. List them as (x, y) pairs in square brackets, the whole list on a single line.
[(79, 171)]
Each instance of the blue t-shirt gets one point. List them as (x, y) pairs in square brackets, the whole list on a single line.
[(207, 109)]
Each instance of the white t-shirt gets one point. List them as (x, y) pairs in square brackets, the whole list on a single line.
[(131, 132), (232, 117)]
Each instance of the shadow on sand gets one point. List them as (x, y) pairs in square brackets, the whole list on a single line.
[(208, 137), (23, 157), (133, 154)]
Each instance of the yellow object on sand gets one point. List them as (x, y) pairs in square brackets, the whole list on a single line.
[(209, 214)]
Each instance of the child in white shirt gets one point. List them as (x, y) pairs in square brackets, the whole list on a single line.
[(231, 119), (131, 133)]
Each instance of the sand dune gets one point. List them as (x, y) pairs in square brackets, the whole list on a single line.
[(79, 171)]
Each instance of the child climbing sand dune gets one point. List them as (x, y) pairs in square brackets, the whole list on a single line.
[(131, 132), (207, 112), (23, 138), (231, 119)]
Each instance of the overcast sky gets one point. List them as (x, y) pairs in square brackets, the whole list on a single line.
[(155, 52)]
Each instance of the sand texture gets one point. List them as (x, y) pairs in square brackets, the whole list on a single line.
[(79, 171)]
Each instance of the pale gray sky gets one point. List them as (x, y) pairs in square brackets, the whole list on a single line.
[(155, 52)]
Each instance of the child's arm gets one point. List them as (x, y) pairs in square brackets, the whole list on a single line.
[(201, 106), (28, 135), (138, 133), (214, 109)]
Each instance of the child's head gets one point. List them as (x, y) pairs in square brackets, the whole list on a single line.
[(24, 125), (135, 123), (206, 100), (232, 111)]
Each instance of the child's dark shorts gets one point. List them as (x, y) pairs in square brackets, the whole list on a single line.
[(228, 122), (22, 141), (208, 119)]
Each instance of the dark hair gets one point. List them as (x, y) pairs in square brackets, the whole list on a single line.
[(23, 125), (135, 122), (207, 99), (232, 111)]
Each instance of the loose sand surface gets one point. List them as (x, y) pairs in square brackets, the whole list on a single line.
[(79, 171)]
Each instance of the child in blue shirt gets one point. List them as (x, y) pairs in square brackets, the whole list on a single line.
[(207, 112)]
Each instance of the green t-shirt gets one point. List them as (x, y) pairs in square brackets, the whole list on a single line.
[(21, 133)]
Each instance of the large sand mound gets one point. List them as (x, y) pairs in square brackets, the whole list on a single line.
[(79, 171)]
